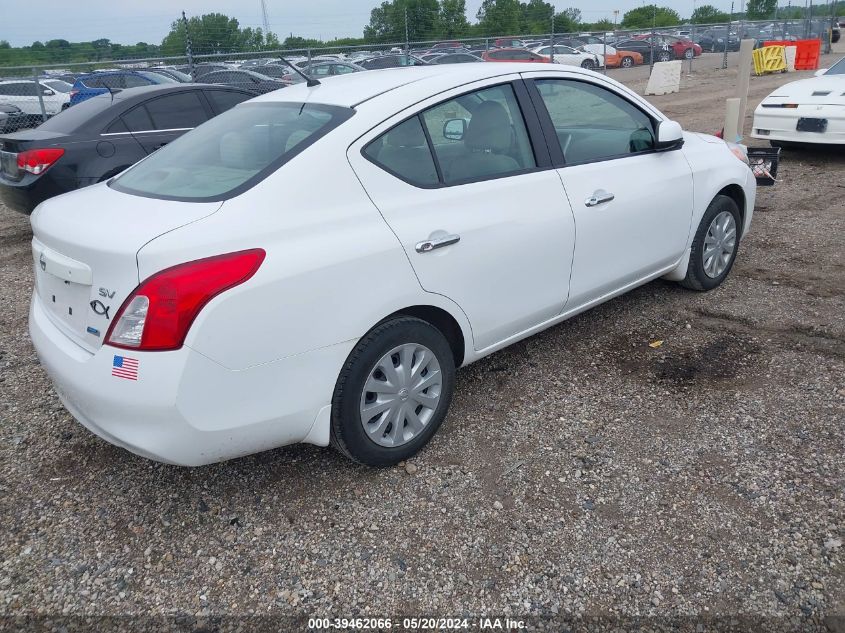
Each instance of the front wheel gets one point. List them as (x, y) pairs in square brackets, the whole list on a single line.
[(589, 64), (689, 53), (715, 245), (393, 392), (627, 62)]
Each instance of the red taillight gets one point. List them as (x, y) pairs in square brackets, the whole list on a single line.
[(73, 93), (37, 161), (159, 313)]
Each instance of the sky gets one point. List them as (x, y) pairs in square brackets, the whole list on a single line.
[(131, 21)]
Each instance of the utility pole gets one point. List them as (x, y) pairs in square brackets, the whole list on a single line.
[(188, 51), (552, 38), (407, 40)]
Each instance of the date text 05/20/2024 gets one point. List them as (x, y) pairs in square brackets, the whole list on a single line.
[(415, 624)]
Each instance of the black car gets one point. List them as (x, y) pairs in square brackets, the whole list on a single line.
[(245, 79), (201, 69), (174, 74), (662, 51), (391, 61), (12, 118), (102, 136), (715, 40)]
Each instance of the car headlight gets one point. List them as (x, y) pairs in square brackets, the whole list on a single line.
[(740, 151)]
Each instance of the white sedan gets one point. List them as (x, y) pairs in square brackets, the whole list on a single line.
[(314, 264), (805, 111), (571, 57)]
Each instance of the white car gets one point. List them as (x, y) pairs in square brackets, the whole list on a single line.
[(571, 57), (312, 265), (23, 93), (805, 111)]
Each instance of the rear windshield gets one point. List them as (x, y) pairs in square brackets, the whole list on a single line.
[(231, 152)]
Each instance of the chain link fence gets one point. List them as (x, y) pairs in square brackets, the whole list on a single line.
[(31, 95)]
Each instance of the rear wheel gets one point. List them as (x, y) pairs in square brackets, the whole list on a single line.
[(393, 392), (627, 62), (715, 245)]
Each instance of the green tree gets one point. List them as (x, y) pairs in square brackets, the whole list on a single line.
[(388, 21), (650, 15), (568, 20), (536, 16), (499, 17), (708, 14), (453, 18), (761, 9)]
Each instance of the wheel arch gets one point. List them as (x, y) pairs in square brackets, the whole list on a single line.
[(443, 321), (735, 193)]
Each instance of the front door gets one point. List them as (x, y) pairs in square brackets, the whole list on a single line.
[(632, 205)]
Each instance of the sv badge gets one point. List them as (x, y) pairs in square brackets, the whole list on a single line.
[(104, 292), (100, 308)]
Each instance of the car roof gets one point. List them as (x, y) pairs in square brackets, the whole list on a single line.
[(355, 88)]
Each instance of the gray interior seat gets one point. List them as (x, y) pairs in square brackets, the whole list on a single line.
[(487, 140), (406, 152)]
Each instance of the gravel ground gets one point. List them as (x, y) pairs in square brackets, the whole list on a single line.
[(580, 473)]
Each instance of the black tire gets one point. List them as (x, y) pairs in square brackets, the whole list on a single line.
[(696, 278), (347, 431), (786, 145), (665, 56), (627, 62), (588, 64), (689, 53)]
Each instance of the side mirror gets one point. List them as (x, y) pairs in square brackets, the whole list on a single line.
[(670, 136), (454, 129), (48, 93), (820, 72)]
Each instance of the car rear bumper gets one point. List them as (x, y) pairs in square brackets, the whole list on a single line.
[(184, 408), (26, 194), (779, 124)]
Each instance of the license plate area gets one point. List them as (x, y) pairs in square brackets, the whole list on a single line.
[(9, 165), (811, 125), (65, 300)]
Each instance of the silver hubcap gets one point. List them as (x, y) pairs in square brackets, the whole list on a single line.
[(719, 244), (401, 395)]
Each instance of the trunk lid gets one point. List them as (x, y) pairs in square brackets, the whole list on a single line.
[(85, 247)]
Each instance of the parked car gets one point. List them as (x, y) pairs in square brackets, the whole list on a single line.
[(716, 40), (175, 75), (321, 70), (661, 51), (508, 42), (98, 83), (24, 93), (390, 61), (520, 55), (201, 69), (805, 111), (276, 71), (101, 137), (566, 55), (12, 118), (245, 79), (232, 343), (58, 85), (456, 58)]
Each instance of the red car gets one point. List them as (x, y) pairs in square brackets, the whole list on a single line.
[(514, 55), (682, 48)]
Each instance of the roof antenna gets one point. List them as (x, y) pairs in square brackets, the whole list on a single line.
[(310, 82)]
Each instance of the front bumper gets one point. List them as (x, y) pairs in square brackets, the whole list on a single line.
[(184, 408), (779, 124)]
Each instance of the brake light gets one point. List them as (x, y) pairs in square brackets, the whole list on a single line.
[(73, 93), (37, 161), (159, 312)]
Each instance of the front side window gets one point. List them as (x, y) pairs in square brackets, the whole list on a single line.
[(593, 123), (231, 152)]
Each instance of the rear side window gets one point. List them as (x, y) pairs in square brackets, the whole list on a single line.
[(404, 152), (222, 100), (134, 81), (231, 152), (178, 111), (137, 120)]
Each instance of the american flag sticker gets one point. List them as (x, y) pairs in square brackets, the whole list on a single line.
[(124, 367)]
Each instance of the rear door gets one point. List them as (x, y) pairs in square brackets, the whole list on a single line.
[(632, 204), (479, 211)]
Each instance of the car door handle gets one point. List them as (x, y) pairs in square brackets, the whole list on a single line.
[(599, 197), (439, 242)]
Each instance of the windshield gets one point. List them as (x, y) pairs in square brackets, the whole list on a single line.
[(231, 152), (838, 68)]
